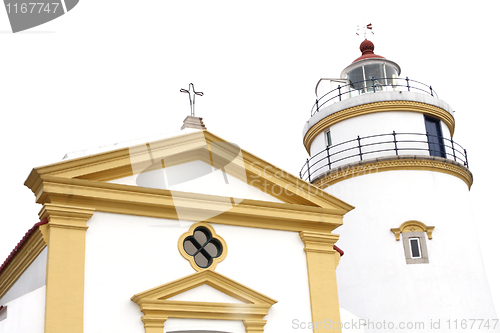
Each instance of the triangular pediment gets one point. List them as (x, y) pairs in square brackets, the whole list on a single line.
[(204, 293), (280, 201), (194, 146), (196, 177), (219, 282), (158, 306)]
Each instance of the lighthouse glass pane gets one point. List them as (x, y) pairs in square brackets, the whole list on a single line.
[(375, 77), (415, 247), (391, 75), (356, 78)]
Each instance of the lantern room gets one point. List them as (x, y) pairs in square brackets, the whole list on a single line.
[(371, 72)]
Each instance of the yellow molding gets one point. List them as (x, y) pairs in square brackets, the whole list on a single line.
[(64, 296), (190, 258), (414, 163), (322, 261), (133, 200), (318, 242), (25, 256), (385, 106), (190, 147), (157, 308), (254, 326), (410, 226)]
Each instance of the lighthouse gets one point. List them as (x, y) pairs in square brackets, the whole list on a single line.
[(384, 143)]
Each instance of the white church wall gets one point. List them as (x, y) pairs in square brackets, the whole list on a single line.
[(31, 279), (126, 255), (198, 177), (350, 322), (375, 282), (204, 325), (25, 313)]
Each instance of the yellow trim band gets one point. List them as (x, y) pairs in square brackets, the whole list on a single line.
[(385, 106), (139, 201), (413, 163)]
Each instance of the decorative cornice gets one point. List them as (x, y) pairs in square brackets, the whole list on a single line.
[(88, 196), (385, 106), (411, 226), (69, 212), (319, 242), (405, 162)]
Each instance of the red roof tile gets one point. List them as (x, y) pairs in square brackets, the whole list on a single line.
[(21, 243)]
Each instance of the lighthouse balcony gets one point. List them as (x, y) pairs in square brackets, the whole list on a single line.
[(332, 92), (387, 146)]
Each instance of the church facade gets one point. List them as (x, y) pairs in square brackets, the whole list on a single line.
[(188, 233)]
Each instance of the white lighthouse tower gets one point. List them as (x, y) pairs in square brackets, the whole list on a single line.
[(385, 145)]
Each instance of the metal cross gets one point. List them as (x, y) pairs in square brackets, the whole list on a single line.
[(191, 100)]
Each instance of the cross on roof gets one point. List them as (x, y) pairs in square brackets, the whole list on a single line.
[(190, 91)]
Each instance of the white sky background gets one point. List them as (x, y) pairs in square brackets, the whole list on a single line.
[(111, 70)]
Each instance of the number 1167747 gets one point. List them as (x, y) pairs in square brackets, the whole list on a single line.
[(32, 7)]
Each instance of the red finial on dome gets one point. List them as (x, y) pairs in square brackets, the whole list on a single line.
[(366, 47)]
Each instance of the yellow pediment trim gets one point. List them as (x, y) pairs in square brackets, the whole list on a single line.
[(207, 277), (157, 307), (200, 145)]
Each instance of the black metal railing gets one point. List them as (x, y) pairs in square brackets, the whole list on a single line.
[(382, 145), (372, 85)]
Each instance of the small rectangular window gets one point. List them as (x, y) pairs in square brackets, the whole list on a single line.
[(328, 137), (434, 137), (3, 312), (415, 247)]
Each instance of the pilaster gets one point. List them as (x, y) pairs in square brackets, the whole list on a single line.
[(65, 267), (321, 265)]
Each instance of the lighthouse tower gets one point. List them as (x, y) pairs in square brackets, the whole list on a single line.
[(384, 144)]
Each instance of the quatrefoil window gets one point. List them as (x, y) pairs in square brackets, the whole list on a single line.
[(202, 247)]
